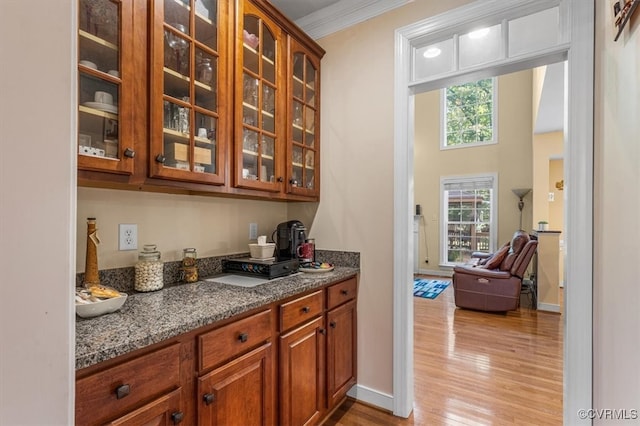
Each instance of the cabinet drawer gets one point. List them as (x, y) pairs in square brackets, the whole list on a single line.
[(117, 390), (342, 292), (299, 310), (219, 345)]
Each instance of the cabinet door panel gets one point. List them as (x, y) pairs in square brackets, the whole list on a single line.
[(105, 86), (302, 374), (240, 392), (341, 353), (259, 94), (303, 157), (188, 80)]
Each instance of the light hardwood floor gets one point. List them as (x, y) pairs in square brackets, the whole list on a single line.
[(477, 368)]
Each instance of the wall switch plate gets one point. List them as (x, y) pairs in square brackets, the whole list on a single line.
[(128, 236), (253, 231)]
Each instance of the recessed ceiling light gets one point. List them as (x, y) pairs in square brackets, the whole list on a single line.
[(431, 52), (479, 33)]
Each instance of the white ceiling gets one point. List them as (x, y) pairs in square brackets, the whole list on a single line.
[(296, 9)]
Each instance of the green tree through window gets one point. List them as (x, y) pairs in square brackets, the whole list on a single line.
[(469, 113)]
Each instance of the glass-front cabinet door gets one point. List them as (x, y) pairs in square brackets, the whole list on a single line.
[(105, 126), (259, 93), (303, 156), (188, 121)]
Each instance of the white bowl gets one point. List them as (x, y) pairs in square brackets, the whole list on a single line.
[(104, 306), (262, 251), (89, 64)]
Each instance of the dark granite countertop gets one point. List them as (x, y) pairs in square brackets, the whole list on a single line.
[(148, 318)]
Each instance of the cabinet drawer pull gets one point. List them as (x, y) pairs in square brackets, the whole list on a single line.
[(280, 179), (208, 398), (243, 337), (177, 417), (306, 309), (293, 182), (323, 331), (345, 292), (333, 324), (160, 158), (122, 391), (129, 153)]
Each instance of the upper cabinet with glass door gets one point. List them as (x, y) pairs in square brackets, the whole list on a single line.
[(105, 141), (259, 91), (303, 164), (188, 120)]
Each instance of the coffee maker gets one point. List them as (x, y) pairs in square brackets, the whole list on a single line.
[(289, 235)]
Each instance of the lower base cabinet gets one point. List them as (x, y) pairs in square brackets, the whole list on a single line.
[(302, 373), (247, 372), (341, 345), (239, 393)]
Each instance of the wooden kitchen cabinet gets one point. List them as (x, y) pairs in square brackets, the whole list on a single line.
[(189, 80), (132, 390), (105, 86), (241, 392), (341, 339), (207, 96), (289, 362), (302, 360), (303, 119)]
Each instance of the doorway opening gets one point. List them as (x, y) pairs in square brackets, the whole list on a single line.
[(576, 20)]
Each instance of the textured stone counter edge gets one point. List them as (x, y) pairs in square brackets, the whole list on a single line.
[(140, 323)]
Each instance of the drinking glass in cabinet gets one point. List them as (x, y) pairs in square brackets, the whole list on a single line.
[(250, 140), (297, 113), (250, 93), (179, 46), (268, 98)]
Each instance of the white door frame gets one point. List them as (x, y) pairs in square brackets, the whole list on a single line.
[(578, 350)]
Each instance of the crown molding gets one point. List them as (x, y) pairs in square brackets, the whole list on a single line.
[(343, 14)]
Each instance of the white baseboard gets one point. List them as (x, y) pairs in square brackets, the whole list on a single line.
[(549, 307), (435, 272), (372, 397)]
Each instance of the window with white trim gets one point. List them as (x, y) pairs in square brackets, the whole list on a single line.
[(469, 217), (469, 114)]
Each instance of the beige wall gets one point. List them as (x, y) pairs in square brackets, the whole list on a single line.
[(37, 209), (510, 159), (546, 146), (213, 225), (617, 205), (356, 208)]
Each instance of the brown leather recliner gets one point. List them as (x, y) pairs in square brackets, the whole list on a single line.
[(494, 284)]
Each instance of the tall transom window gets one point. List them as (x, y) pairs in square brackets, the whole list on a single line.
[(469, 114)]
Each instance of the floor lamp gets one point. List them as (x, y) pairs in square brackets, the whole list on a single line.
[(521, 193)]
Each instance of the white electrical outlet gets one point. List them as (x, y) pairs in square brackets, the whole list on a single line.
[(128, 236), (253, 231)]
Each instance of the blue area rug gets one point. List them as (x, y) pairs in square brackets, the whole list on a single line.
[(429, 289)]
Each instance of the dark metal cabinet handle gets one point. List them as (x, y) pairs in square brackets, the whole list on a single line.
[(243, 337), (122, 391), (208, 398), (322, 331), (332, 324), (129, 153), (293, 182), (306, 309), (177, 417), (160, 158), (345, 292), (280, 179)]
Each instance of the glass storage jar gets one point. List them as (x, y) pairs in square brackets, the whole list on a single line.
[(189, 268), (149, 269)]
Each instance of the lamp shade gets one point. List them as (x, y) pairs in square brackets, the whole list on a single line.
[(521, 192)]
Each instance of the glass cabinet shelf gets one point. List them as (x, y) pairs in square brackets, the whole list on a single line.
[(97, 112), (255, 154), (95, 39)]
